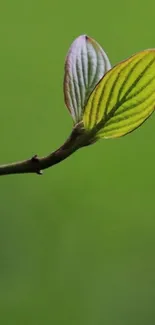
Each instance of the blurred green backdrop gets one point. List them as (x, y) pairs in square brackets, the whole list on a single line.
[(77, 244)]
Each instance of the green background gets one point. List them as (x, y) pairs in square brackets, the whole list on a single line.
[(77, 245)]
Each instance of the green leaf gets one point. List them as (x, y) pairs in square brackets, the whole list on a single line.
[(124, 98), (86, 63)]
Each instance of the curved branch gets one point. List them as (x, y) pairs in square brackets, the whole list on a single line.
[(77, 139)]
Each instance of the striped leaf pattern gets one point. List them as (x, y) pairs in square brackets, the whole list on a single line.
[(86, 64), (124, 98)]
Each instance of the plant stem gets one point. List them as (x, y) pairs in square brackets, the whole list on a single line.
[(76, 140)]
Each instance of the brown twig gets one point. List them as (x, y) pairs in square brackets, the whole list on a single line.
[(77, 139)]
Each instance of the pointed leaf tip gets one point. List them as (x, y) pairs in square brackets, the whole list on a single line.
[(124, 98), (85, 65)]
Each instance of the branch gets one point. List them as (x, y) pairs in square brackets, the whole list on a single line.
[(76, 140)]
